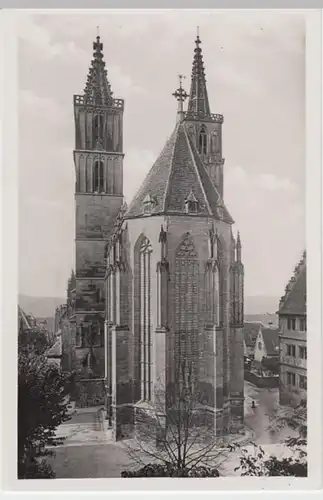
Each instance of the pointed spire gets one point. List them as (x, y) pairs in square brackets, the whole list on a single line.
[(98, 89), (238, 247), (198, 101)]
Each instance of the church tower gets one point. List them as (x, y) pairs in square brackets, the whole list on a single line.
[(98, 159), (204, 127), (175, 279)]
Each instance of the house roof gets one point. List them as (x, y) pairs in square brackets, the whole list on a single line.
[(294, 300), (250, 332), (271, 340), (56, 350), (271, 363), (177, 174), (23, 319)]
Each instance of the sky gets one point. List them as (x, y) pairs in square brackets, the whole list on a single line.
[(255, 71)]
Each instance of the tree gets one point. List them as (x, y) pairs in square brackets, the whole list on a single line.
[(293, 418), (257, 463), (41, 408), (176, 435), (33, 340)]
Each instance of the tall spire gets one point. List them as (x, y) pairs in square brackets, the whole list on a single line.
[(97, 89), (198, 101), (238, 247)]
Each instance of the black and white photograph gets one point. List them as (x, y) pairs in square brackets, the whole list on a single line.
[(162, 326)]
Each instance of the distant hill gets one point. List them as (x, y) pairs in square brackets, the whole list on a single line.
[(44, 307), (261, 304), (264, 318), (40, 307)]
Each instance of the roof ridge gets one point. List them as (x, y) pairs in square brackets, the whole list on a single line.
[(293, 280), (175, 131), (197, 170)]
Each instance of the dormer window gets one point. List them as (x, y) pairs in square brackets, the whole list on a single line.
[(191, 204), (148, 204), (203, 142)]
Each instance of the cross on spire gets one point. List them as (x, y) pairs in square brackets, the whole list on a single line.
[(180, 96)]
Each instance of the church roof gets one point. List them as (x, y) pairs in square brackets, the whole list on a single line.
[(177, 176), (294, 300)]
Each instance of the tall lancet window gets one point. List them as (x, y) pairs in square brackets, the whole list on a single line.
[(97, 129), (216, 295), (186, 312), (203, 141), (98, 177), (145, 320)]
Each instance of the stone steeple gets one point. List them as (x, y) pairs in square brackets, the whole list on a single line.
[(198, 103), (98, 89)]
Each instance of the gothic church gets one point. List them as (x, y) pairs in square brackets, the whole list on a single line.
[(161, 280)]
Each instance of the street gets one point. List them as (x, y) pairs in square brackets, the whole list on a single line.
[(88, 451)]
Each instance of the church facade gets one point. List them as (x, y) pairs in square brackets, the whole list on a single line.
[(174, 277), (160, 283)]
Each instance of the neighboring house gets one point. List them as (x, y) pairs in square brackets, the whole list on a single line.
[(293, 349), (266, 358), (250, 333), (54, 353), (23, 321)]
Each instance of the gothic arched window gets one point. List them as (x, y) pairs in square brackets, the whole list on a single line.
[(203, 141), (145, 251), (98, 177), (97, 129), (186, 312), (214, 142)]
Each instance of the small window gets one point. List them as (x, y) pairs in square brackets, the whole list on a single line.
[(259, 345), (302, 382), (148, 204), (191, 203), (291, 378), (291, 324), (291, 350), (302, 352), (302, 325)]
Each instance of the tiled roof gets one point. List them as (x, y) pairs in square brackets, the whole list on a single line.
[(294, 300), (271, 340), (56, 350), (23, 319), (250, 331), (177, 174)]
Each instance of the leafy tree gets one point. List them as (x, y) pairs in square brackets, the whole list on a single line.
[(293, 418), (41, 408), (256, 463), (176, 435), (33, 341)]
